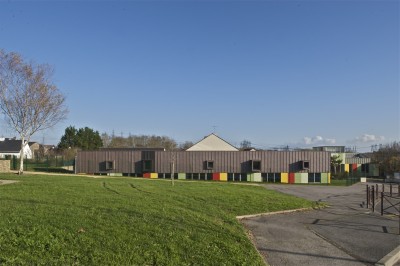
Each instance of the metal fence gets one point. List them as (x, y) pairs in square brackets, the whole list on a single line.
[(386, 197), (47, 163)]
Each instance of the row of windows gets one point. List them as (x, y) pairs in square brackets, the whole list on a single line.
[(256, 165)]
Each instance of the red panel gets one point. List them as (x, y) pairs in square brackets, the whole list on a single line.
[(146, 175), (291, 178), (354, 167), (216, 176)]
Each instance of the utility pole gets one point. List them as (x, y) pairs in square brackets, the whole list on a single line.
[(172, 168)]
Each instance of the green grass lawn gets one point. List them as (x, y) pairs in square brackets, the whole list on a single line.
[(74, 220)]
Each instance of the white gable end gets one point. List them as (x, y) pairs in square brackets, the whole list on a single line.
[(212, 143)]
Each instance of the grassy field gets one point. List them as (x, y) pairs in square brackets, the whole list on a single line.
[(73, 220)]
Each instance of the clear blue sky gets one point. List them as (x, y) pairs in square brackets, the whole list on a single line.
[(272, 72)]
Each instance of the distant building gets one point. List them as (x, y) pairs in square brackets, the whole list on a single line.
[(212, 143), (335, 149), (11, 147), (352, 163)]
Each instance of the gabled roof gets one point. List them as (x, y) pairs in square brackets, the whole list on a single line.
[(212, 143), (10, 146)]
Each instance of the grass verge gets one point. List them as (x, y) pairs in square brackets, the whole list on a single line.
[(74, 220)]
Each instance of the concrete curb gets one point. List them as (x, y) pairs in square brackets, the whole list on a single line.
[(390, 259), (272, 213)]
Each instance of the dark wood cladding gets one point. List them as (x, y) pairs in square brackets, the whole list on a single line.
[(129, 161)]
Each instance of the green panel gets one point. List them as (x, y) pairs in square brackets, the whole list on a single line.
[(324, 178), (297, 178), (250, 177), (181, 175)]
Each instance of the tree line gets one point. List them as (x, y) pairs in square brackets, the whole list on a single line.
[(89, 139)]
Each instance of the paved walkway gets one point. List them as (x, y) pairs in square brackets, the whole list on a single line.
[(5, 182), (346, 233)]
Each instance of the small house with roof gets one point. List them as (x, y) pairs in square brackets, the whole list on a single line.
[(11, 147)]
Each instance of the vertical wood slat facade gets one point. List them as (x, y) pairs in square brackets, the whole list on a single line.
[(131, 161)]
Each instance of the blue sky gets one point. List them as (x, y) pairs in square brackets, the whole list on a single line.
[(298, 73)]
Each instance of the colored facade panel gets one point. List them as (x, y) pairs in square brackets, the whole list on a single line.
[(284, 178), (153, 175), (215, 176), (347, 168), (354, 168), (146, 175), (250, 177), (324, 178), (329, 178), (223, 176), (257, 177), (304, 178), (297, 178), (115, 174), (291, 178), (181, 175)]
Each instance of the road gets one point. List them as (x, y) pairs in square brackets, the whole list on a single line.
[(345, 233)]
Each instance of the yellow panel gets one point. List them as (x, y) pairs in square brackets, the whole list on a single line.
[(284, 177), (347, 168), (329, 178), (153, 175), (223, 176)]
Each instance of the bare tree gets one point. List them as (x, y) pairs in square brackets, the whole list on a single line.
[(245, 144), (28, 98)]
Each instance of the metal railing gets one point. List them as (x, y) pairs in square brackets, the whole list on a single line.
[(389, 200)]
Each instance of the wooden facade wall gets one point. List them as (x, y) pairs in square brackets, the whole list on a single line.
[(130, 161)]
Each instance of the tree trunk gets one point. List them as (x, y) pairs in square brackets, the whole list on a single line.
[(21, 157)]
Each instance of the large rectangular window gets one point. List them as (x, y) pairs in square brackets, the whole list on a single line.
[(110, 165), (255, 165), (305, 165), (147, 165), (209, 165)]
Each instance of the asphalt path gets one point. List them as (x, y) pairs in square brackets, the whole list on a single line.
[(345, 233)]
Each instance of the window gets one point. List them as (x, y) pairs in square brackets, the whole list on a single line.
[(305, 165), (255, 165), (314, 177), (209, 165), (109, 165), (147, 166)]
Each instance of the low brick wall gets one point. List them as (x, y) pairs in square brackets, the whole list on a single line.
[(4, 166)]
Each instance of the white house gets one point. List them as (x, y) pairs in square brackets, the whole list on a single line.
[(12, 147)]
